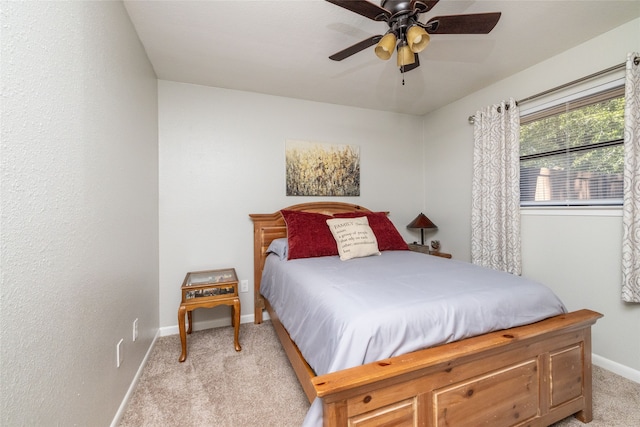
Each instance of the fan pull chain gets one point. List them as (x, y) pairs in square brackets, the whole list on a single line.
[(402, 72)]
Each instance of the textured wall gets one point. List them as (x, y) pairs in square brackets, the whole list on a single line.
[(78, 210)]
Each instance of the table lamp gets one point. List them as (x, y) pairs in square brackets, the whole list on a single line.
[(422, 222)]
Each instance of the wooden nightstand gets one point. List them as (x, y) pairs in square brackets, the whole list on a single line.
[(425, 250), (207, 289)]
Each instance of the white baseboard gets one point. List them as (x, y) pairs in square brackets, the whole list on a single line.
[(217, 323), (132, 386), (616, 368)]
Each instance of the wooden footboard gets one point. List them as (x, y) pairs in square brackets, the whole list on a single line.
[(531, 375)]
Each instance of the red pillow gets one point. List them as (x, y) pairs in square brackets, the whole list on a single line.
[(386, 233), (308, 235)]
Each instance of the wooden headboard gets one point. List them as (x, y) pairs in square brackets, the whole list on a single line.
[(267, 227)]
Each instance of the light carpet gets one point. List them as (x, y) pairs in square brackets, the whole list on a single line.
[(217, 386)]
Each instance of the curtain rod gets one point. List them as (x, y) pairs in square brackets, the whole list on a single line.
[(636, 61)]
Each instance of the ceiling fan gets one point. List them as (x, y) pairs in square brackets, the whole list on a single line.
[(406, 33)]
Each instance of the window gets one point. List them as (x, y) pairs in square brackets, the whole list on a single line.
[(572, 154)]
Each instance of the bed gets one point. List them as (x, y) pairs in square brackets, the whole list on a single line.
[(533, 374)]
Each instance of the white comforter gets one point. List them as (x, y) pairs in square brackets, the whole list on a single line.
[(342, 314)]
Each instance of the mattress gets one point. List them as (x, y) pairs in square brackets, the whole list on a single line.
[(342, 314)]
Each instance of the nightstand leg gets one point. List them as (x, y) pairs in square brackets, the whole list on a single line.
[(190, 328), (236, 324), (183, 336)]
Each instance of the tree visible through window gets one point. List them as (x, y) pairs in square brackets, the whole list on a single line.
[(572, 154)]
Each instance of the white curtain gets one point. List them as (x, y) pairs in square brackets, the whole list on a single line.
[(495, 210), (631, 204)]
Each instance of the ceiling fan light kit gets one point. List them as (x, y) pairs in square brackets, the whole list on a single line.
[(417, 38), (405, 55), (386, 46), (406, 34)]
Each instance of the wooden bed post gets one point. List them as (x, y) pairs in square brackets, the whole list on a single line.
[(258, 264), (586, 414)]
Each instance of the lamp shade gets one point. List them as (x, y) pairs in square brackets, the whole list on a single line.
[(405, 55), (422, 221), (386, 45), (417, 38)]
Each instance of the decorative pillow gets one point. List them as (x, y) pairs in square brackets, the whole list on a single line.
[(308, 235), (279, 247), (354, 237), (386, 233)]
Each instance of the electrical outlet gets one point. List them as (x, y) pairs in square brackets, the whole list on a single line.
[(119, 354), (135, 329), (244, 286)]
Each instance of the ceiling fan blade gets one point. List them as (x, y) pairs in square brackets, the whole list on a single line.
[(351, 50), (413, 66), (478, 23), (364, 8)]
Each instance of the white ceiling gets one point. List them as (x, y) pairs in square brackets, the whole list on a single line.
[(281, 47)]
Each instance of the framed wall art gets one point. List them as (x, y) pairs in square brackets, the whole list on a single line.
[(316, 169)]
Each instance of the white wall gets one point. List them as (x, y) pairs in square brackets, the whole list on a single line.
[(578, 256), (222, 158), (79, 197)]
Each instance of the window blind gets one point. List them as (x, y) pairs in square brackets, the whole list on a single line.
[(571, 154)]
